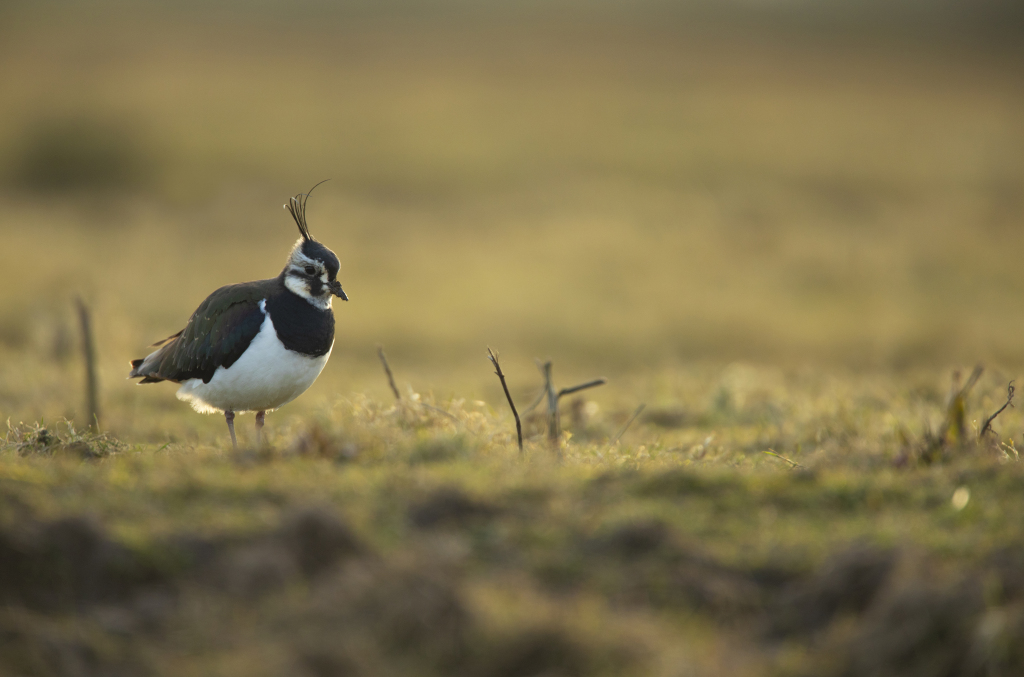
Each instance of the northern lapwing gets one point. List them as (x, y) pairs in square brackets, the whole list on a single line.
[(258, 345)]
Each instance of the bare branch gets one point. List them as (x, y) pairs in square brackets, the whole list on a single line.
[(553, 396), (971, 380), (632, 418), (89, 353), (540, 398), (387, 370), (1009, 403), (582, 386), (493, 357), (554, 427)]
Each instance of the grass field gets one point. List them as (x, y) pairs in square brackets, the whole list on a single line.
[(790, 245)]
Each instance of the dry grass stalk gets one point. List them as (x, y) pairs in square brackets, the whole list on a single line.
[(554, 426), (89, 354), (493, 357), (792, 464), (387, 370), (639, 410)]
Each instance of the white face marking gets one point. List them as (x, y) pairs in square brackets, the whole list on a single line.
[(296, 280), (300, 287)]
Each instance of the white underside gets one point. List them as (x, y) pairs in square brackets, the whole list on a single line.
[(266, 376)]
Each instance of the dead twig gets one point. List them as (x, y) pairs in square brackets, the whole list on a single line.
[(493, 357), (632, 418), (89, 353), (387, 370), (582, 386), (554, 426), (398, 397), (540, 398), (564, 391), (1009, 403), (792, 464)]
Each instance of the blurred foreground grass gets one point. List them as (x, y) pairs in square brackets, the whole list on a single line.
[(414, 539), (778, 241)]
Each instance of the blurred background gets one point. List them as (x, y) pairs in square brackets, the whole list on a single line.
[(625, 187)]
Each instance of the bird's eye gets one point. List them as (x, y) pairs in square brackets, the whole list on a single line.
[(310, 270)]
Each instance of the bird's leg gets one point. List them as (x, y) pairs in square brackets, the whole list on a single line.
[(259, 425), (229, 416)]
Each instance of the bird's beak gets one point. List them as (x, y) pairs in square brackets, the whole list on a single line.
[(338, 291)]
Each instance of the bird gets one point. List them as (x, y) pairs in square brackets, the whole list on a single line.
[(255, 346)]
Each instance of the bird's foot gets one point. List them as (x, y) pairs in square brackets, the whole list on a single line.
[(259, 426)]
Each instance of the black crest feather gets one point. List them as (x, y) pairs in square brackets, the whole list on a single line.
[(297, 208)]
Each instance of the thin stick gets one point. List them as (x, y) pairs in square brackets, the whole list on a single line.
[(387, 370), (89, 352), (554, 428), (540, 398), (543, 391), (632, 418), (553, 396), (493, 357), (564, 391), (792, 464), (582, 386), (972, 379), (1009, 403)]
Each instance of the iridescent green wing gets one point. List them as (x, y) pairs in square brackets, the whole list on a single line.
[(217, 334)]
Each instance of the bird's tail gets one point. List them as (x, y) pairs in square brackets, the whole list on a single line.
[(145, 367), (148, 367)]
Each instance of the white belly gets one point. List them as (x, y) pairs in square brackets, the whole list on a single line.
[(266, 376)]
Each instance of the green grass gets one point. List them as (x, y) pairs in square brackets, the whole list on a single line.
[(782, 243), (648, 556)]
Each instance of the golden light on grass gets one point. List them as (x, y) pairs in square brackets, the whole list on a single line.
[(777, 246)]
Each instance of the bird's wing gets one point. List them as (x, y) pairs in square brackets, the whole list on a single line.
[(216, 335)]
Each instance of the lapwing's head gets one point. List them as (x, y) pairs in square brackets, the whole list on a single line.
[(312, 270)]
